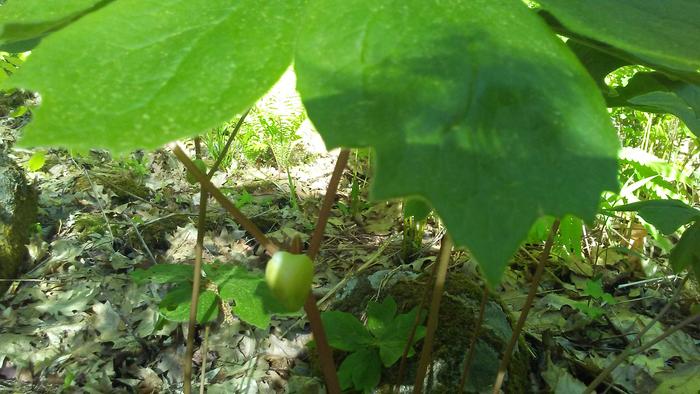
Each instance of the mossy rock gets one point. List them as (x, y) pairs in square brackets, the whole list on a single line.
[(18, 212), (459, 310)]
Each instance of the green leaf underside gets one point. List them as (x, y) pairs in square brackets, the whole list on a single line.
[(654, 92), (360, 369), (141, 73), (175, 305), (345, 332), (660, 32), (22, 20), (686, 253), (666, 215), (494, 124), (255, 303)]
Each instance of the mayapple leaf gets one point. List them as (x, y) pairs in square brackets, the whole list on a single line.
[(686, 253), (164, 273), (379, 316), (394, 338), (176, 304), (141, 73), (473, 105), (660, 32), (361, 369), (666, 215), (255, 303), (345, 332), (23, 21)]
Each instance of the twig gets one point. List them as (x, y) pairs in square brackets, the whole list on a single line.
[(441, 274), (97, 197), (327, 204), (544, 256), (140, 237), (472, 343), (629, 350), (246, 223)]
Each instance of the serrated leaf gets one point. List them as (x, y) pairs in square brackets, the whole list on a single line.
[(395, 336), (23, 20), (686, 253), (379, 316), (655, 31), (141, 73), (495, 124), (360, 369), (254, 301), (164, 273), (666, 215), (344, 331), (176, 304)]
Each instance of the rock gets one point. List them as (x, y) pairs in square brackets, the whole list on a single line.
[(457, 320), (18, 212)]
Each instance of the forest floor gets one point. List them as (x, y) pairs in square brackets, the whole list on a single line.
[(76, 321)]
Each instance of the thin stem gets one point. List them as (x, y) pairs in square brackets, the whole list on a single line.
[(544, 256), (328, 200), (472, 343), (196, 283), (243, 220), (416, 322), (227, 146), (205, 345), (426, 353), (325, 354), (629, 349)]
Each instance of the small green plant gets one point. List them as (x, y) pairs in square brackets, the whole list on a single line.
[(380, 342), (598, 299), (254, 302)]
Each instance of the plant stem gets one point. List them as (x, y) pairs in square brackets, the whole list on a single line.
[(205, 351), (196, 283), (472, 343), (328, 200), (416, 322), (544, 256), (629, 349), (325, 354), (243, 220), (198, 250), (426, 353)]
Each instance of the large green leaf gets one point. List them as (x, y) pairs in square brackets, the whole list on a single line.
[(24, 20), (666, 215), (345, 332), (176, 304), (474, 105), (362, 369), (255, 303), (660, 32), (654, 92), (140, 73), (686, 254)]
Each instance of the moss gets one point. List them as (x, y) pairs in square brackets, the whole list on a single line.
[(18, 212)]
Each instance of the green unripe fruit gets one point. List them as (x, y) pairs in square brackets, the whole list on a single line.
[(289, 276)]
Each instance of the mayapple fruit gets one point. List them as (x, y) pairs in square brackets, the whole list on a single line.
[(289, 276)]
